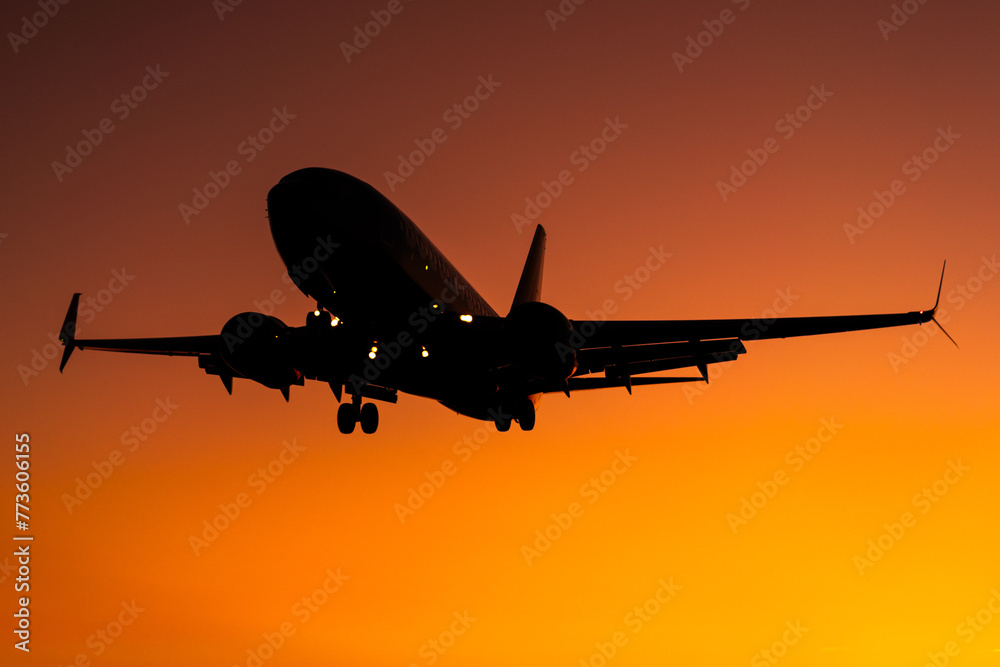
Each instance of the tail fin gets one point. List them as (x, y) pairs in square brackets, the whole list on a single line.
[(68, 332), (530, 287)]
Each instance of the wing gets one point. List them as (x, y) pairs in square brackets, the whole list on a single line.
[(186, 346), (624, 349), (303, 354), (206, 348)]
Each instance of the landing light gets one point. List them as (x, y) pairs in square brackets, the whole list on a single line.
[(423, 352), (316, 312), (373, 352), (465, 318), (335, 321)]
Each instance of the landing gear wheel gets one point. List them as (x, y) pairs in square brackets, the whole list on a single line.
[(526, 415), (369, 417), (502, 422), (347, 418)]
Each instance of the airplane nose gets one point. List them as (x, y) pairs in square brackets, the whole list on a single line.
[(317, 175), (305, 189), (320, 203), (314, 193)]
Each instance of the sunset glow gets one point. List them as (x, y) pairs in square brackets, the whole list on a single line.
[(822, 501)]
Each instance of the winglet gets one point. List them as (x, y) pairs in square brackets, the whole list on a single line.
[(68, 332), (940, 285), (530, 286), (936, 302)]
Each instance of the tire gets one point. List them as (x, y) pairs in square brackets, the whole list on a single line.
[(369, 417), (526, 415), (503, 425), (346, 418)]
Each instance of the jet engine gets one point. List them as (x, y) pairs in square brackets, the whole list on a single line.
[(251, 345), (537, 338)]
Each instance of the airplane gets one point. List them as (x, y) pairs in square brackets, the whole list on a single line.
[(394, 315)]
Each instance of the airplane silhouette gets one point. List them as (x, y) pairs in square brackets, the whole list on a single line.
[(392, 314)]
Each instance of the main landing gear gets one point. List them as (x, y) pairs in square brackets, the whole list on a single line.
[(524, 415), (353, 413)]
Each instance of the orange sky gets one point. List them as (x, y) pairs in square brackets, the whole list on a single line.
[(318, 559)]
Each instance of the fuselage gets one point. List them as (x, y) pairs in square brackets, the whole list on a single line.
[(359, 257)]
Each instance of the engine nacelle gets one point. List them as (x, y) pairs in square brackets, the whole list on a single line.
[(537, 338), (251, 346)]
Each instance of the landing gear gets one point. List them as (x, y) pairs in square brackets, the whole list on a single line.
[(369, 417), (525, 415), (351, 414), (502, 422), (346, 418)]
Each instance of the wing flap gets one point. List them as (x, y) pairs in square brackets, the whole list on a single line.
[(179, 346), (688, 353), (579, 384), (633, 332)]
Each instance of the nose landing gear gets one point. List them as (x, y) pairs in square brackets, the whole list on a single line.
[(351, 414)]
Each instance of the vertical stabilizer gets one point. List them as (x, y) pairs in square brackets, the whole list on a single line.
[(530, 287)]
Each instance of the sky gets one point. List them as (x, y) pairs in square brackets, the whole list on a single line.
[(825, 501)]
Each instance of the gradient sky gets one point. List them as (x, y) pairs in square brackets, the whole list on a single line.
[(900, 410)]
